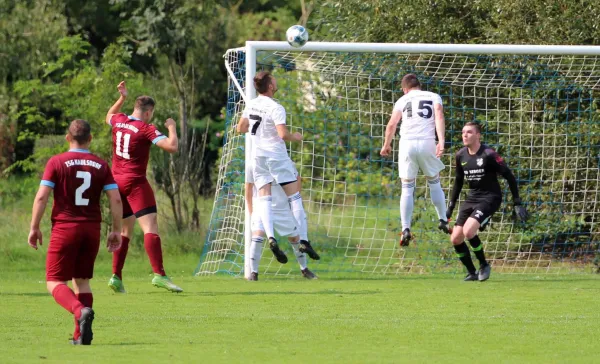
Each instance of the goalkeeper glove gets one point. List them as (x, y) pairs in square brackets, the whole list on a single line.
[(519, 211), (449, 211)]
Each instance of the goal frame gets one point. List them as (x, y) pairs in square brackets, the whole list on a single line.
[(252, 47)]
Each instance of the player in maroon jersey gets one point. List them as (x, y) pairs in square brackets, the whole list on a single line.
[(133, 135), (77, 179)]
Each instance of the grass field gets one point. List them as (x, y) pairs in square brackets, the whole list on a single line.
[(222, 319)]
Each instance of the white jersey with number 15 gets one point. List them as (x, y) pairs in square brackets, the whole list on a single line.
[(264, 113), (418, 120)]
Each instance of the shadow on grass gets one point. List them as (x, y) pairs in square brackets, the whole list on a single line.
[(258, 293), (29, 294)]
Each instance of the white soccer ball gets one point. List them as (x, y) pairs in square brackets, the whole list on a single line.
[(297, 36)]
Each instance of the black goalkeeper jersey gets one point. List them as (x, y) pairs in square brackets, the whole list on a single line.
[(481, 172)]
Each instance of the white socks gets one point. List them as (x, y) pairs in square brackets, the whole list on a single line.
[(300, 257), (295, 201), (256, 251), (407, 204), (438, 198), (266, 214)]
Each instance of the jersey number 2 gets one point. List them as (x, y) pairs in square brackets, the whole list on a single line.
[(125, 152), (87, 181), (256, 125), (425, 109)]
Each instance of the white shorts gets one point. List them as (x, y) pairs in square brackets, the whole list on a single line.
[(267, 170), (418, 154), (283, 223)]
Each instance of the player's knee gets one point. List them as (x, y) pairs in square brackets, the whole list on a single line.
[(470, 234), (294, 239), (51, 285), (81, 285), (457, 236)]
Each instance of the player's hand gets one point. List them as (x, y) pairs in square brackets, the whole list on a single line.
[(386, 150), (35, 238), (113, 243), (122, 88), (297, 137), (170, 123), (439, 150), (449, 211), (521, 213)]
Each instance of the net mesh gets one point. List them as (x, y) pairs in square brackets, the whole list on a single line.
[(538, 111)]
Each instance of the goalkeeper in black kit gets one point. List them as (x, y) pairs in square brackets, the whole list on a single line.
[(480, 166)]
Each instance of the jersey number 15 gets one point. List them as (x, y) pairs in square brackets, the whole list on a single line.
[(425, 109)]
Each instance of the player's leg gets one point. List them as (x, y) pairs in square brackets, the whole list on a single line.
[(262, 182), (301, 258), (60, 265), (143, 204), (480, 216), (407, 204), (256, 246), (458, 241), (431, 166), (119, 256), (83, 272), (408, 167), (292, 191)]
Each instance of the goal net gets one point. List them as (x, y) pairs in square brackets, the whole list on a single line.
[(538, 107)]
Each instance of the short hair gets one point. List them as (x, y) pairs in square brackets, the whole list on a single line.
[(410, 81), (262, 80), (80, 130), (144, 103), (475, 124)]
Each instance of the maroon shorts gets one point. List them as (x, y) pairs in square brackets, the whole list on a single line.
[(72, 250), (137, 196)]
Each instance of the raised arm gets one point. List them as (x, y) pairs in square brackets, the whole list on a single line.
[(285, 134), (459, 179), (390, 130), (171, 143), (116, 108)]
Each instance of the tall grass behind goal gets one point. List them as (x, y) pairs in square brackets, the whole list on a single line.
[(538, 106)]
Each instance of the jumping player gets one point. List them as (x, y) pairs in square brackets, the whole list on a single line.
[(132, 138), (422, 115)]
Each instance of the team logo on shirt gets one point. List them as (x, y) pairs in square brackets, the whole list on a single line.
[(480, 161), (158, 132)]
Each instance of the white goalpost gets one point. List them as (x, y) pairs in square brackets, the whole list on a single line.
[(537, 106)]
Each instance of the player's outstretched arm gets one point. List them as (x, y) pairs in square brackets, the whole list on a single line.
[(39, 206), (116, 210), (390, 130), (243, 125), (459, 178), (116, 108), (285, 134), (440, 128), (171, 143), (519, 210)]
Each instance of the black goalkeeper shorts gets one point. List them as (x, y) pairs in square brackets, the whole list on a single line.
[(481, 211)]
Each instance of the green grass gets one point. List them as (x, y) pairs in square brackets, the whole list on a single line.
[(222, 319)]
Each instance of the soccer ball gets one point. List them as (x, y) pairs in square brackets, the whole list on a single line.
[(297, 36)]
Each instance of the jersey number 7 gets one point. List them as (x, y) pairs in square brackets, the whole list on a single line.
[(256, 125)]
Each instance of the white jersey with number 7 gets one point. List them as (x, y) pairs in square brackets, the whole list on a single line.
[(418, 116), (264, 114)]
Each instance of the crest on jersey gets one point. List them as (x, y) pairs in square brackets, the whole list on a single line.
[(479, 162)]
